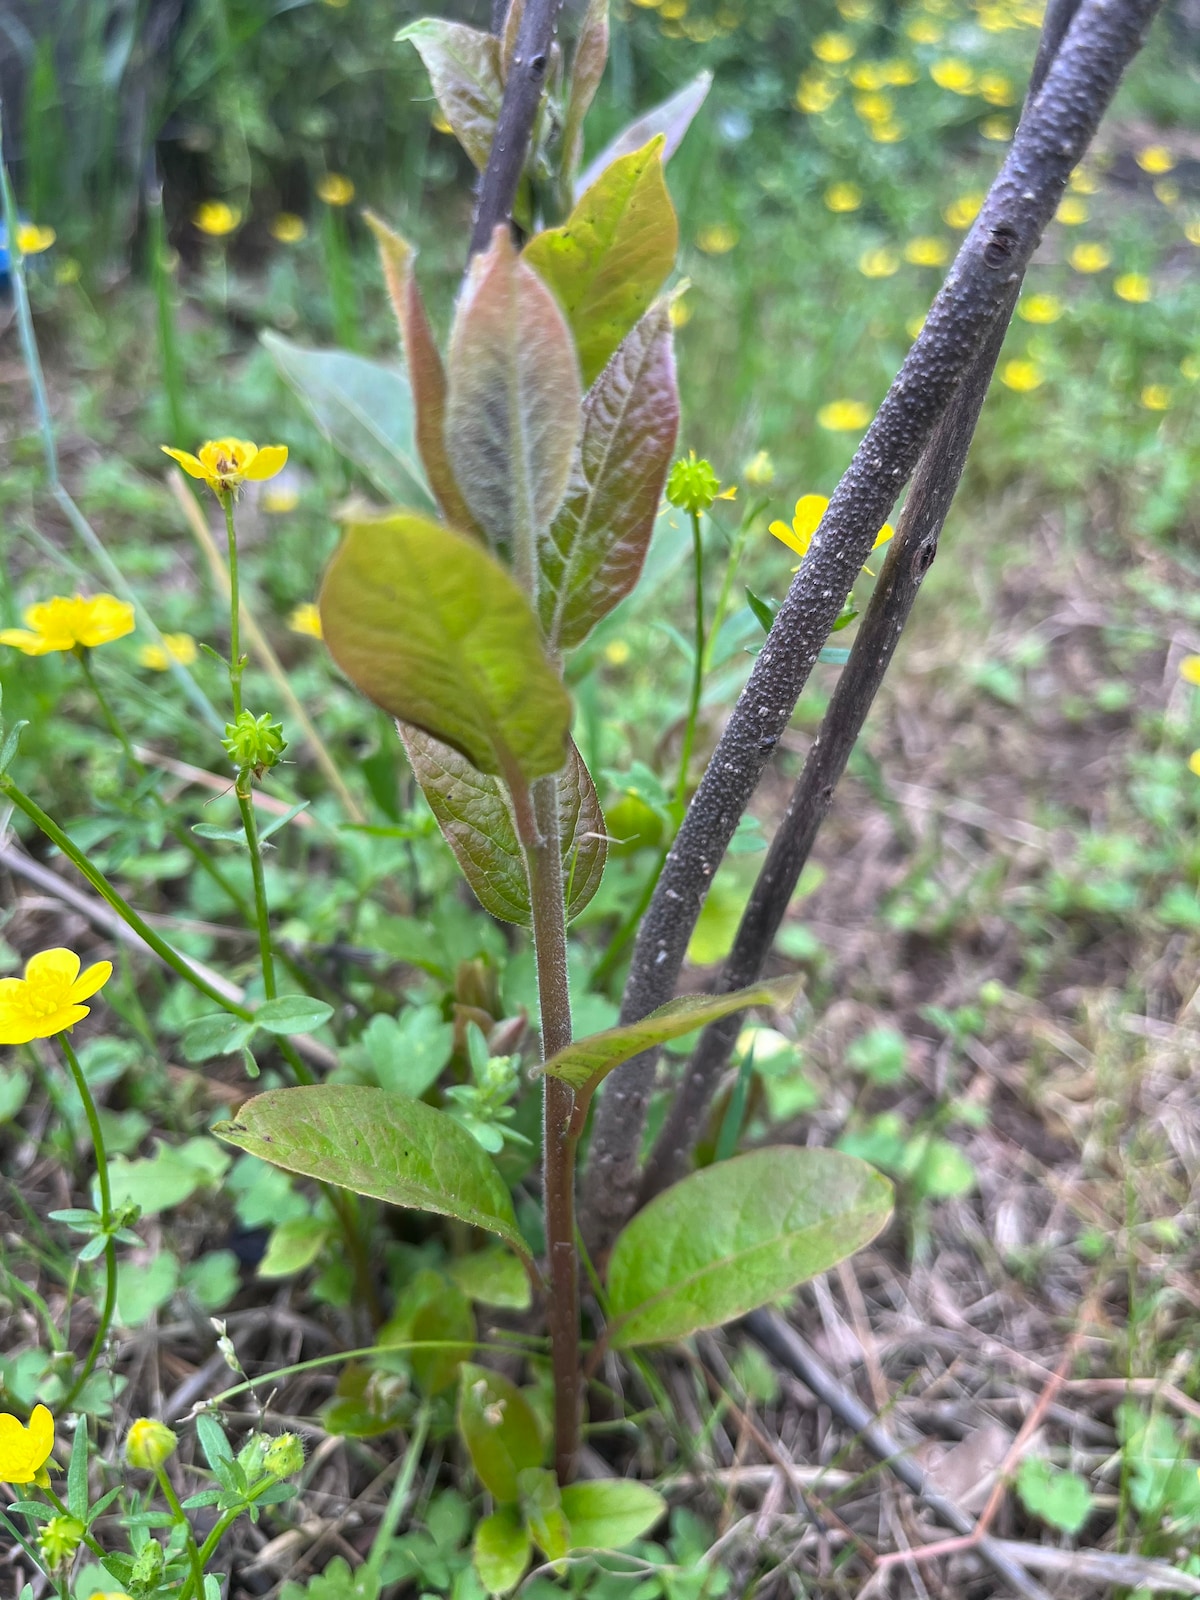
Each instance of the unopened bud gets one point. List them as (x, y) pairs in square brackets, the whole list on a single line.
[(147, 1571), (60, 1538), (760, 471), (692, 485), (254, 742), (283, 1456), (149, 1444)]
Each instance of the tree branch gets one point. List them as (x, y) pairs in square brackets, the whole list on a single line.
[(518, 112), (1053, 135), (909, 559)]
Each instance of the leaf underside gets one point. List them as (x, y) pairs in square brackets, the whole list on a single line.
[(672, 118), (464, 69)]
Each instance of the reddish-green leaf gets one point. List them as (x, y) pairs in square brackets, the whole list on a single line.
[(736, 1235), (475, 816), (464, 68), (425, 371), (587, 68), (593, 553), (586, 1063), (499, 1429), (378, 1144), (672, 119), (512, 412), (612, 255), (428, 625)]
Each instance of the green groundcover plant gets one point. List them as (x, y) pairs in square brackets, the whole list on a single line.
[(524, 466)]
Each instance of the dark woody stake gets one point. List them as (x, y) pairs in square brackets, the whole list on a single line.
[(1059, 123)]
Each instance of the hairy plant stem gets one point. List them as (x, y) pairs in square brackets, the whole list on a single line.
[(124, 910), (1060, 120), (262, 914), (180, 1517), (689, 731), (537, 817), (110, 1249), (191, 844)]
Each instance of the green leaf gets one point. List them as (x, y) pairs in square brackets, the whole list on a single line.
[(430, 1309), (1062, 1499), (492, 1277), (474, 813), (587, 68), (409, 1052), (425, 371), (293, 1246), (144, 1286), (512, 409), (217, 1034), (589, 1061), (733, 1236), (173, 1174), (14, 1091), (363, 407), (501, 1550), (464, 69), (612, 255), (292, 1013), (499, 1429), (431, 628), (381, 1145), (593, 553), (77, 1472), (609, 1513), (541, 1506), (672, 118)]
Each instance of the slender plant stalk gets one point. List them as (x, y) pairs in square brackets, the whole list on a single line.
[(110, 1249), (689, 732), (181, 1520), (235, 610), (736, 551), (124, 910), (397, 1500), (262, 914), (1054, 133)]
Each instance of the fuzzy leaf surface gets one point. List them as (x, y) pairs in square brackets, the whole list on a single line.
[(612, 255), (736, 1235), (464, 69), (473, 812), (499, 1429), (435, 631), (513, 406), (587, 1062), (426, 374), (587, 68), (378, 1144), (671, 117), (609, 1513), (364, 408), (593, 553)]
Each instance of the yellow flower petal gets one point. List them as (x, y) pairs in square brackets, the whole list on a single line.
[(189, 463), (90, 981), (306, 619), (810, 508), (786, 536), (885, 533), (266, 462), (58, 966), (1189, 669)]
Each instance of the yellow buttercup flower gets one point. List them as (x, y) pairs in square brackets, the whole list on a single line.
[(897, 73), (874, 107), (810, 508), (1194, 766), (216, 218), (225, 464), (961, 213), (881, 263), (1191, 231), (759, 471), (306, 619), (952, 74), (927, 251), (1134, 287), (924, 30), (66, 622), (815, 93), (335, 189), (1022, 376), (32, 240), (867, 75), (179, 647), (913, 326), (288, 228), (1041, 308), (844, 416), (718, 239), (24, 1451), (1156, 397), (46, 1000), (617, 652), (1072, 212), (1083, 181), (1166, 191), (279, 500), (841, 197), (1155, 159), (1189, 669), (833, 48), (998, 129), (885, 132), (996, 89), (1090, 257), (680, 312)]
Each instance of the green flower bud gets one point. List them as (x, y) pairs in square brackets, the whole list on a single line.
[(283, 1456), (255, 742), (149, 1444), (60, 1538), (692, 485), (148, 1569)]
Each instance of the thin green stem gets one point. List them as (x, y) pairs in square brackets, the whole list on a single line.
[(736, 551), (689, 732), (106, 1218), (235, 605), (180, 1516), (121, 906), (262, 914), (369, 1578), (93, 1545)]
